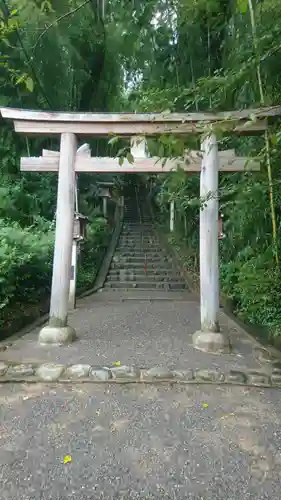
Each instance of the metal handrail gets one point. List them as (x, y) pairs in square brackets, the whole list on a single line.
[(141, 229)]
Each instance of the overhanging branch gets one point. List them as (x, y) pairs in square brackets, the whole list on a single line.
[(54, 23)]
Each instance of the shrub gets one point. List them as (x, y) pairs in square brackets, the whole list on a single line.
[(26, 264), (254, 286)]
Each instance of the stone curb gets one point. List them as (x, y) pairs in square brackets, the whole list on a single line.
[(81, 373)]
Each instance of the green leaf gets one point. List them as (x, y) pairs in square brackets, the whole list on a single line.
[(20, 79), (29, 84), (121, 160), (242, 6), (161, 151), (113, 140), (130, 158), (46, 6)]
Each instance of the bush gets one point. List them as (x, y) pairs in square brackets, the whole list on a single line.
[(26, 264), (254, 287), (92, 252)]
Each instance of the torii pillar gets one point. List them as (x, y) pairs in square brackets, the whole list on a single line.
[(209, 338), (58, 331)]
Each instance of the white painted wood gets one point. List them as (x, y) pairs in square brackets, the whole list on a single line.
[(172, 216), (46, 153), (72, 285), (138, 147), (104, 206), (129, 129), (84, 149), (28, 115), (209, 248), (64, 231), (142, 165), (139, 150), (195, 156)]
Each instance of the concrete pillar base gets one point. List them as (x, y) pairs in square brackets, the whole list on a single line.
[(217, 343), (57, 335)]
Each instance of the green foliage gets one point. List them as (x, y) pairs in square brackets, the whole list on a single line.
[(92, 252), (26, 264), (254, 286)]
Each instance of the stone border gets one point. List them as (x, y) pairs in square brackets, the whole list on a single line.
[(81, 373)]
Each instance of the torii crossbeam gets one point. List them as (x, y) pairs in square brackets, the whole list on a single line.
[(49, 162)]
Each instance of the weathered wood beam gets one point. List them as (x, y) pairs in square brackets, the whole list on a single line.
[(58, 332), (195, 155), (209, 338), (56, 154), (245, 114), (128, 129), (190, 155), (244, 122), (140, 165)]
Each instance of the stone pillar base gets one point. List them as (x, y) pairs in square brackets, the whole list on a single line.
[(56, 335), (211, 342)]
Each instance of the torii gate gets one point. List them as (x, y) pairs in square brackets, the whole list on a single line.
[(67, 162)]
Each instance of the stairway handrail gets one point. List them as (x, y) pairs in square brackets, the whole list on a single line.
[(141, 228)]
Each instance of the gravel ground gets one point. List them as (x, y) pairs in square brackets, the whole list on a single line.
[(139, 442), (139, 333)]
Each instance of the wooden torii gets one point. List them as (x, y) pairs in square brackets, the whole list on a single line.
[(68, 162)]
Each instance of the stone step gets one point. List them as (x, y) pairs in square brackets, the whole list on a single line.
[(139, 252), (140, 260), (179, 285), (140, 278), (133, 238), (136, 239), (138, 230), (140, 272), (139, 244), (138, 236), (137, 225), (134, 214), (138, 233), (140, 265), (130, 252), (135, 218), (139, 247), (141, 257), (137, 222)]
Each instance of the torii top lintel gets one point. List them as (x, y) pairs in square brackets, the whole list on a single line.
[(43, 123)]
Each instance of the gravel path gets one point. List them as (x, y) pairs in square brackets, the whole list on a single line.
[(139, 442), (137, 332)]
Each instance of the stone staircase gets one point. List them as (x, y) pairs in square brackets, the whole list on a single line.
[(140, 262)]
